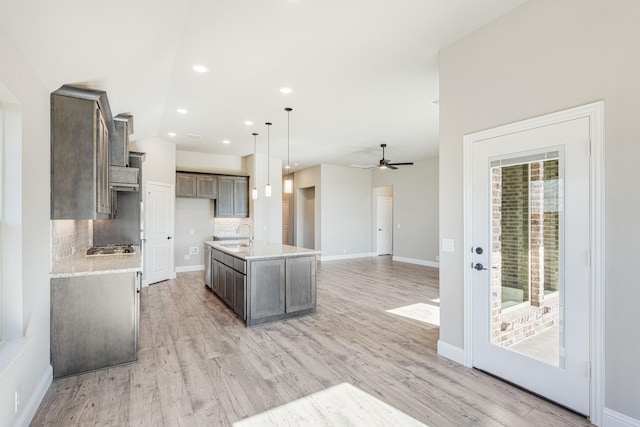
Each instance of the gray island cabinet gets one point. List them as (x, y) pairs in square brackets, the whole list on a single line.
[(262, 282)]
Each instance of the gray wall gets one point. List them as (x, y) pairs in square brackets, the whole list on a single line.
[(543, 57), (415, 209), (26, 230), (346, 211), (192, 216)]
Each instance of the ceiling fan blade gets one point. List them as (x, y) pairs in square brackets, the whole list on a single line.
[(400, 164), (390, 166)]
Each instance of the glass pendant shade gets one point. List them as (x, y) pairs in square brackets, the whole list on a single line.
[(288, 186), (267, 189), (254, 193)]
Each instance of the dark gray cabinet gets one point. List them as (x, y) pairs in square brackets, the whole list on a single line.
[(123, 124), (81, 123), (196, 185), (267, 288), (94, 321), (229, 281), (233, 197), (300, 290)]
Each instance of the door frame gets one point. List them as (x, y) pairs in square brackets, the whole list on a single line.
[(595, 113)]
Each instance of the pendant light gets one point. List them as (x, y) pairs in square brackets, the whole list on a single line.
[(288, 182), (267, 189), (254, 192)]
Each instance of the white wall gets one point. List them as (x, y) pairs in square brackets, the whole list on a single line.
[(547, 56), (415, 209), (160, 160), (30, 369)]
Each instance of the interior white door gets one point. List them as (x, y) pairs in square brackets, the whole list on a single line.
[(384, 222), (159, 233), (531, 279)]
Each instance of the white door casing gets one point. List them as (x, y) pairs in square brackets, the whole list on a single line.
[(589, 259), (159, 232), (384, 225)]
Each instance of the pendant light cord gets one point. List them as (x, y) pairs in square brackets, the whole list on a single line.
[(268, 154)]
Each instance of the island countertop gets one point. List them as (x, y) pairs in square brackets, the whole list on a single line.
[(259, 249)]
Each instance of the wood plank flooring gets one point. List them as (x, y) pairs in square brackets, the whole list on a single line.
[(199, 366)]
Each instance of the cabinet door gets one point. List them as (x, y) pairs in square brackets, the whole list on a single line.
[(186, 185), (103, 163), (229, 292), (266, 288), (224, 203), (241, 197), (300, 283), (207, 187), (220, 287), (240, 288)]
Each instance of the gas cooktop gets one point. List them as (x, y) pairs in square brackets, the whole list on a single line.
[(115, 249)]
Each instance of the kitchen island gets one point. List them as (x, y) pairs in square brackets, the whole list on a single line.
[(261, 281)]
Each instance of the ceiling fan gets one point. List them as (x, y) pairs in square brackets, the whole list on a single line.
[(385, 164)]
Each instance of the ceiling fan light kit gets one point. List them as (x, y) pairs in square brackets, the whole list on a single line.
[(385, 164)]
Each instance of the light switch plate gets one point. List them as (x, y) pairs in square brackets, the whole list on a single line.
[(447, 245)]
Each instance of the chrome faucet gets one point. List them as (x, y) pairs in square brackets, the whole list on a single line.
[(249, 227)]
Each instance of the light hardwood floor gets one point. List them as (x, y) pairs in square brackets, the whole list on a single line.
[(199, 366)]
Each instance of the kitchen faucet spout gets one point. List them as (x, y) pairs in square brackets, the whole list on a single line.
[(249, 227)]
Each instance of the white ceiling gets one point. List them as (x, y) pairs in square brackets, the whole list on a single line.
[(363, 72)]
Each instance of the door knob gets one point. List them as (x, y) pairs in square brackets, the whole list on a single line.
[(479, 266), (168, 237)]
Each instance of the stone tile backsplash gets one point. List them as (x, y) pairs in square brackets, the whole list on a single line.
[(228, 226), (70, 236)]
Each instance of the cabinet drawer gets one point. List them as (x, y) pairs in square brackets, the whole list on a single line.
[(228, 260), (218, 255), (240, 265)]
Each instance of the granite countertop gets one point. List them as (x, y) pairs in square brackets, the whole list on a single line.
[(260, 249), (82, 265)]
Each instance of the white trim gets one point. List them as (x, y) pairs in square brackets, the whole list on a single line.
[(187, 268), (595, 113), (36, 398), (346, 256), (451, 352), (433, 264), (611, 418)]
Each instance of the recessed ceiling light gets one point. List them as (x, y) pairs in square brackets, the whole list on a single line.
[(285, 90), (200, 68), (182, 111), (171, 134), (226, 141), (248, 122)]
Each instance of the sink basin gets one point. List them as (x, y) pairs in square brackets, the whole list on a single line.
[(235, 245)]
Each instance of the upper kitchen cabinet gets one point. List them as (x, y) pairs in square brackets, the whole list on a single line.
[(233, 197), (81, 125), (196, 185), (123, 124)]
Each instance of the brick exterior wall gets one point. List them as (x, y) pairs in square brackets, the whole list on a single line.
[(524, 248)]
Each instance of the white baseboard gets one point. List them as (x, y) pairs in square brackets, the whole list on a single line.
[(34, 402), (187, 268), (417, 261), (612, 418), (451, 352), (345, 256)]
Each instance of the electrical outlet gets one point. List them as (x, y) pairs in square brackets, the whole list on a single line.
[(187, 257), (193, 250), (17, 399)]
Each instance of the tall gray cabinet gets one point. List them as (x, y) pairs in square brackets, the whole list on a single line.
[(81, 124)]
